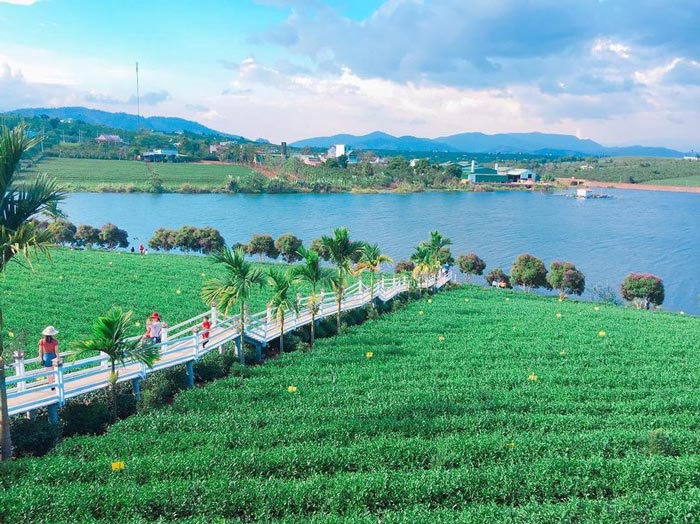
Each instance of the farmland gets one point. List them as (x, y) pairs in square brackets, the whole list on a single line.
[(478, 405), (128, 176), (665, 171)]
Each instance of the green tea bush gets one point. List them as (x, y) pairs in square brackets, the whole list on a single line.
[(160, 388), (32, 437)]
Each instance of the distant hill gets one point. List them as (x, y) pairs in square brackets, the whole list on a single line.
[(126, 121), (512, 143)]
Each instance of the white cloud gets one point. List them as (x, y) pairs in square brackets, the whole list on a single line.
[(19, 2)]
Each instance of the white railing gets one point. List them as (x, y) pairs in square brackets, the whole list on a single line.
[(30, 385)]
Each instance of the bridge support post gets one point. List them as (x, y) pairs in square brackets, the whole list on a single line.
[(258, 353), (213, 314), (19, 368), (136, 384), (53, 414), (239, 349), (190, 373)]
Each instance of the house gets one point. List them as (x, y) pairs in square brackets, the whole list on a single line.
[(109, 139), (482, 175), (338, 150), (160, 155), (519, 175), (310, 160)]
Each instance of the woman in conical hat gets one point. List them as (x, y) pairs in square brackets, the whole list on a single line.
[(48, 348)]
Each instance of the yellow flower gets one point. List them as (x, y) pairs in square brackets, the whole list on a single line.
[(561, 300), (563, 352), (558, 315), (60, 277), (510, 445), (204, 274), (507, 300), (682, 312), (420, 312), (292, 389), (117, 466), (466, 300), (11, 334), (369, 354), (532, 377), (596, 308), (430, 301), (110, 263), (178, 291), (137, 324), (441, 338), (601, 333)]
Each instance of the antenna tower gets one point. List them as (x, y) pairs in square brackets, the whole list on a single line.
[(138, 100)]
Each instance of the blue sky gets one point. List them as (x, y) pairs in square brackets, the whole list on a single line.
[(616, 71)]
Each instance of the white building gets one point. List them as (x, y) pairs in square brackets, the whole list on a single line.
[(338, 150)]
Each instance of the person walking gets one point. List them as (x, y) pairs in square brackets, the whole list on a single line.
[(156, 328), (206, 326), (48, 349)]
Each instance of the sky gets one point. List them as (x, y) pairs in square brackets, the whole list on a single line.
[(620, 72)]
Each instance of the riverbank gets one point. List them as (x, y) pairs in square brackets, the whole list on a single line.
[(644, 187)]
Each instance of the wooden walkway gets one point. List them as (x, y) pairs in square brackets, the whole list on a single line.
[(31, 386)]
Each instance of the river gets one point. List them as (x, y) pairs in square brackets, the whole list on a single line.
[(635, 231)]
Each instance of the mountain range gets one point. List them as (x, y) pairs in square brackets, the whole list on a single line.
[(126, 121), (504, 143), (512, 143)]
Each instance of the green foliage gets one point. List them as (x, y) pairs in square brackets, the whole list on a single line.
[(529, 272), (32, 437), (404, 266), (87, 236), (62, 230), (499, 277), (643, 289), (660, 443), (288, 246), (564, 277), (262, 245), (188, 239), (470, 264), (425, 431), (111, 236)]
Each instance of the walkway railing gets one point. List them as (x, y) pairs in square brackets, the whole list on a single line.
[(31, 386)]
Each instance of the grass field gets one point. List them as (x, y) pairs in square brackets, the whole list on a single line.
[(75, 287), (127, 175), (666, 171), (480, 405), (689, 181)]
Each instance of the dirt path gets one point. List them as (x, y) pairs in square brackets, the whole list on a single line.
[(641, 187)]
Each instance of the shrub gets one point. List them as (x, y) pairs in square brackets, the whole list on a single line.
[(606, 294), (90, 414), (498, 278), (213, 366), (63, 231), (160, 388), (262, 245), (643, 289), (32, 437), (404, 266), (660, 443), (288, 246), (564, 277), (529, 272), (111, 236), (470, 264)]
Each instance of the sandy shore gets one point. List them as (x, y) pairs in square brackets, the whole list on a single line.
[(640, 187)]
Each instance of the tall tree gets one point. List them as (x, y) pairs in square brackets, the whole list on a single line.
[(110, 336), (18, 234), (342, 251), (310, 272), (371, 259), (283, 300), (234, 287)]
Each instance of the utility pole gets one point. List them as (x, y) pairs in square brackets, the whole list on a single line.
[(138, 100)]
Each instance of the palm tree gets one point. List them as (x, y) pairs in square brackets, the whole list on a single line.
[(235, 287), (311, 273), (424, 262), (18, 235), (371, 258), (109, 336), (438, 247), (342, 252), (282, 301)]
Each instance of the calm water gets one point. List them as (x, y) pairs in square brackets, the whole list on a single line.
[(642, 231)]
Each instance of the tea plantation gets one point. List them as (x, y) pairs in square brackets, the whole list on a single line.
[(478, 405)]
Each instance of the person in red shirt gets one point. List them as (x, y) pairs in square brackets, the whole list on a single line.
[(206, 326), (48, 348)]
